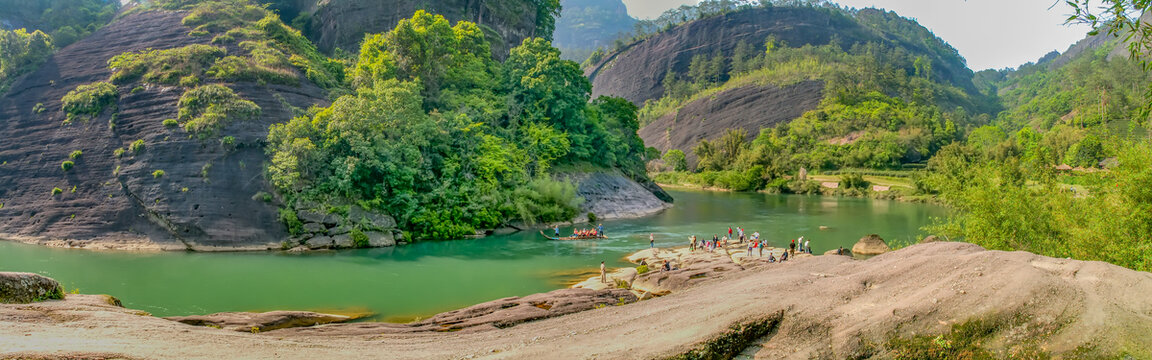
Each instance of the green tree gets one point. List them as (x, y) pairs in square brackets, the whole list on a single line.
[(675, 159)]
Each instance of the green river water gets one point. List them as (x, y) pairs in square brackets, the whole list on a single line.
[(427, 278)]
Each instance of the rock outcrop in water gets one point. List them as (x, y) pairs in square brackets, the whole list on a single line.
[(258, 322)]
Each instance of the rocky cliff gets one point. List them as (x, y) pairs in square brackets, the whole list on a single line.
[(342, 24), (750, 108), (635, 72), (207, 195)]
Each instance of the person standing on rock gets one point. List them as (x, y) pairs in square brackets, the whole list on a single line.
[(807, 248), (651, 240), (729, 232), (600, 229), (603, 274), (760, 245), (792, 247)]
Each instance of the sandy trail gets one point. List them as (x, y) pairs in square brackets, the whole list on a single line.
[(827, 306)]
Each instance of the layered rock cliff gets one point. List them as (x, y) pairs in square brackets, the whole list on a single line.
[(207, 195)]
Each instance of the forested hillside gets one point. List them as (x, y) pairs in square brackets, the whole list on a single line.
[(857, 88), (587, 25)]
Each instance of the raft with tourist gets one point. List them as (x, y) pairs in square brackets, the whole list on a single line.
[(578, 234)]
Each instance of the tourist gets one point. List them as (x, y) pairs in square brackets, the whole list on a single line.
[(729, 231), (807, 248), (651, 241), (692, 243), (749, 249), (557, 229), (600, 229), (784, 257), (760, 245), (771, 258), (840, 251), (603, 274), (791, 247), (667, 266)]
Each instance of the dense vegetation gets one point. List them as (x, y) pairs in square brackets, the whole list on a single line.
[(20, 53), (205, 110), (448, 140), (1088, 113), (64, 20)]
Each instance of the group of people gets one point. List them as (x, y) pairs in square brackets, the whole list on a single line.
[(583, 233), (801, 244), (755, 245)]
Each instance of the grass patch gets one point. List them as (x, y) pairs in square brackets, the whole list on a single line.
[(75, 154), (171, 123), (67, 165), (57, 191), (89, 100), (208, 109), (157, 174), (166, 67)]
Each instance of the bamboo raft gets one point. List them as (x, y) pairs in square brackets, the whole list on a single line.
[(572, 237)]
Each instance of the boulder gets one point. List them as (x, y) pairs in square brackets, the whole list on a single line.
[(309, 216), (314, 228), (380, 239), (930, 239), (371, 220), (319, 242), (259, 322), (342, 241), (23, 288), (870, 245), (508, 312), (340, 230)]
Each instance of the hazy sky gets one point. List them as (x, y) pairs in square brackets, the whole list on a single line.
[(988, 33)]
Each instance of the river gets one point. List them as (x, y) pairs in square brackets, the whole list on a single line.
[(419, 280)]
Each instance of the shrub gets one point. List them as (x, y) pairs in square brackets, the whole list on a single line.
[(89, 100), (291, 221), (359, 240), (853, 181), (57, 191), (157, 174), (137, 89), (208, 109), (136, 147), (66, 165), (38, 108), (642, 269), (228, 143), (75, 154), (170, 123), (118, 152)]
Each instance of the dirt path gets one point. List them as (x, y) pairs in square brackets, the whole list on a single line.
[(817, 307)]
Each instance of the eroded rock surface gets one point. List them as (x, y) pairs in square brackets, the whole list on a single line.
[(615, 196), (257, 322)]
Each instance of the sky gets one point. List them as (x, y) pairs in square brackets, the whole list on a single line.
[(992, 34)]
